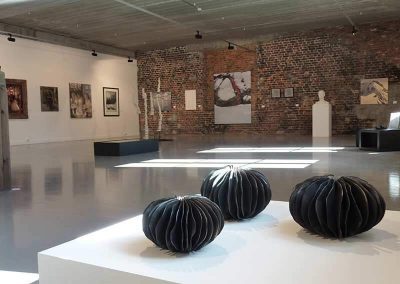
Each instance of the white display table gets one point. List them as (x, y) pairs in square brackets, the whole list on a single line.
[(271, 248)]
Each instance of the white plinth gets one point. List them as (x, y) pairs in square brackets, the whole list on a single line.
[(270, 248), (322, 119)]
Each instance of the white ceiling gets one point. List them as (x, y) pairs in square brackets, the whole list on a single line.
[(147, 24)]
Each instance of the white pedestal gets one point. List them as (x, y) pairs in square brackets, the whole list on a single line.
[(271, 248), (322, 119)]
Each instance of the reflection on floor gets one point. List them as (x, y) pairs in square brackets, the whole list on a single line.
[(65, 192)]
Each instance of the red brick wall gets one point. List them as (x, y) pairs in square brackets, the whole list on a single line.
[(331, 59)]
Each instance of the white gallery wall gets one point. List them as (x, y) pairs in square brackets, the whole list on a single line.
[(42, 64)]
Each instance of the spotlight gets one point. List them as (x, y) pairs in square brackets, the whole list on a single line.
[(11, 38), (94, 53), (198, 35), (354, 31), (130, 59), (230, 46)]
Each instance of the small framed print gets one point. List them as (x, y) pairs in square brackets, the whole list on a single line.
[(288, 92), (276, 93), (111, 101)]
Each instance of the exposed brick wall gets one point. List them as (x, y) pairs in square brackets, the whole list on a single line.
[(331, 59)]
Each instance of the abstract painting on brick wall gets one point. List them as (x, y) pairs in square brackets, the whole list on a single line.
[(374, 91), (162, 100), (232, 98)]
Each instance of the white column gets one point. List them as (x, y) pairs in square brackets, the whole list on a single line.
[(5, 168)]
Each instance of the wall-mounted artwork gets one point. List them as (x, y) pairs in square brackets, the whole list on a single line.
[(374, 91), (80, 100), (111, 101), (190, 100), (276, 93), (232, 98), (288, 92), (162, 99), (49, 98), (17, 99)]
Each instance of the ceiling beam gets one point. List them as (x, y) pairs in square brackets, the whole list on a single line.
[(62, 40)]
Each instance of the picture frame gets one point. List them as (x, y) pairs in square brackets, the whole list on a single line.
[(276, 93), (49, 99), (17, 98), (80, 97), (111, 101), (289, 92)]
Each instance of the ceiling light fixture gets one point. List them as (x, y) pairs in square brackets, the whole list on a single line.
[(11, 38), (130, 59), (198, 35), (354, 31), (94, 52)]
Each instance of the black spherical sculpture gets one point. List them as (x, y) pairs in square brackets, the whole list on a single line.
[(336, 208), (182, 224), (240, 193)]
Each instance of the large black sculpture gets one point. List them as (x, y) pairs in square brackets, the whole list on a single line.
[(182, 224), (336, 208), (240, 193)]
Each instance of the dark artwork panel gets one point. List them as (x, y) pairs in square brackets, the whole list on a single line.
[(17, 99), (49, 98), (80, 96), (111, 101)]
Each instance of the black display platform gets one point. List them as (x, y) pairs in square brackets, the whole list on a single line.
[(124, 147), (379, 139)]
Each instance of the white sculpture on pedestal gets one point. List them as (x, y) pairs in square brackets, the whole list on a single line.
[(146, 122), (160, 115), (322, 117)]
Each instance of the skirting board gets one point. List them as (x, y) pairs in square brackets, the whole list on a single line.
[(269, 248)]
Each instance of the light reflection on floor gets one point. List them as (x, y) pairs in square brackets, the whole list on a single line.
[(13, 277), (219, 163), (272, 150)]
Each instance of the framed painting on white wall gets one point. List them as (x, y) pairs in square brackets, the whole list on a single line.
[(80, 97), (111, 101), (49, 98)]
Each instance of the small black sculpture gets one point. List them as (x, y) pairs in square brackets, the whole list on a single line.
[(182, 224), (336, 208), (240, 193)]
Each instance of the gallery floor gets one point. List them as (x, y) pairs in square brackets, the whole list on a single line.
[(62, 191)]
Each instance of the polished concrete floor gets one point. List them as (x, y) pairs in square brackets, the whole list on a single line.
[(63, 192)]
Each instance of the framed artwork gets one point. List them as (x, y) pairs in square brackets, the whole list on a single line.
[(17, 99), (232, 98), (190, 100), (162, 100), (111, 101), (49, 98), (80, 98), (288, 92), (276, 93), (374, 91)]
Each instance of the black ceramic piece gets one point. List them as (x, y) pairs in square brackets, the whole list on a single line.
[(336, 208), (182, 224), (240, 193)]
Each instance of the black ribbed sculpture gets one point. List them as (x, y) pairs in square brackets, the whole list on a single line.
[(240, 193), (336, 208), (182, 224)]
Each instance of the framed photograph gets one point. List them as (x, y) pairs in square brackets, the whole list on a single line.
[(80, 97), (49, 98), (111, 101), (17, 98), (288, 92), (276, 93)]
